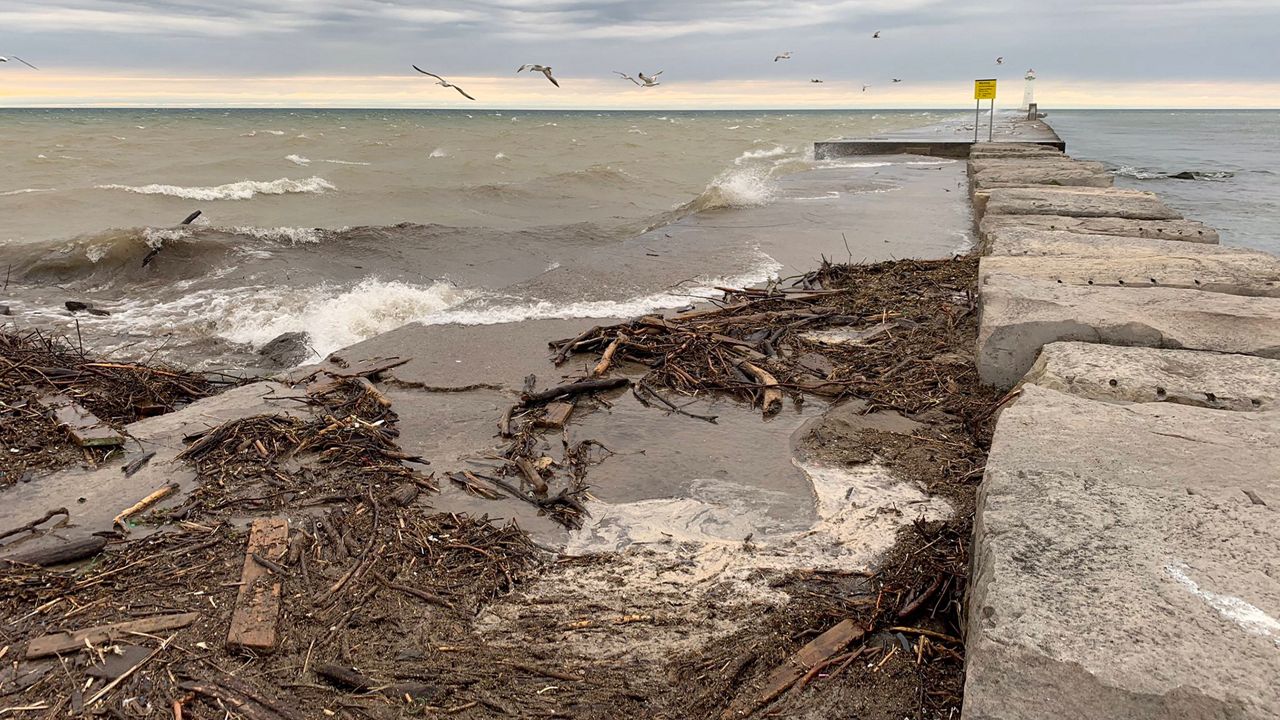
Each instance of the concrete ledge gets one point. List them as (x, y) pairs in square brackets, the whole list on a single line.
[(1037, 162), (1018, 316), (829, 149), (1142, 375), (1061, 175), (1073, 202), (1124, 564), (1019, 241), (1174, 230), (1245, 274)]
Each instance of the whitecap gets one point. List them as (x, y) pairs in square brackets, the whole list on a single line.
[(23, 191), (345, 162), (750, 155), (442, 153), (298, 159), (242, 190)]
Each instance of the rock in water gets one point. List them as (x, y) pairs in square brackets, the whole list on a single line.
[(4, 310), (287, 350), (77, 306)]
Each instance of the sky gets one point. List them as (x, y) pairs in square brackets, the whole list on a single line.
[(713, 53)]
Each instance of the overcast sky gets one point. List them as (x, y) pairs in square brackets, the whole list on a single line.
[(714, 52)]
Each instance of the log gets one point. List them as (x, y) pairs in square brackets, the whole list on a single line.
[(84, 427), (63, 552), (771, 401), (557, 415), (372, 391), (532, 475), (606, 359), (68, 641), (572, 389), (253, 623), (785, 675)]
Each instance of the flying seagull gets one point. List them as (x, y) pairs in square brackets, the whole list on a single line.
[(15, 57), (897, 79), (784, 56), (815, 80), (864, 88), (444, 83), (544, 69), (875, 35), (1000, 60), (648, 80)]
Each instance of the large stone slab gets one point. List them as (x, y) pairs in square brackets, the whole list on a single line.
[(1246, 274), (1008, 163), (1022, 176), (1142, 375), (1175, 230), (1073, 202), (1019, 150), (1125, 565), (1020, 315), (1019, 241)]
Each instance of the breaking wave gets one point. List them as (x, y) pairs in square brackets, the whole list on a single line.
[(242, 190), (1147, 174)]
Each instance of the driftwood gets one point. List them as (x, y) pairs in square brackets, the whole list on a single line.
[(606, 359), (572, 389), (62, 552), (772, 401), (77, 640), (797, 666), (36, 523), (136, 465), (143, 504), (557, 415), (351, 679), (253, 624), (241, 699)]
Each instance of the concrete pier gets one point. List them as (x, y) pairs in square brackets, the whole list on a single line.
[(1126, 532), (951, 140)]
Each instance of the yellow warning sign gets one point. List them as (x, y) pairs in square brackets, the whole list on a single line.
[(984, 89)]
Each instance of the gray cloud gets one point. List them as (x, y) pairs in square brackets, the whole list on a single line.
[(923, 40)]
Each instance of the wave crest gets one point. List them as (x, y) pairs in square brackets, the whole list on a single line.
[(242, 190)]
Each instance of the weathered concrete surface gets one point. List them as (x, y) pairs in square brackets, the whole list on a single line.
[(95, 496), (1020, 315), (1036, 162), (1072, 202), (1033, 242), (1244, 274), (983, 151), (1124, 566), (1019, 174), (1142, 375), (1174, 230)]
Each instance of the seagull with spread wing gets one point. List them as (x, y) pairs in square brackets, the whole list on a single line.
[(784, 56), (444, 83), (15, 57), (544, 69), (644, 81)]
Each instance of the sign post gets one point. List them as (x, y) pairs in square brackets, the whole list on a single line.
[(984, 90)]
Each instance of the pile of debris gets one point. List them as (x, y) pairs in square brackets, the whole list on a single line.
[(59, 406)]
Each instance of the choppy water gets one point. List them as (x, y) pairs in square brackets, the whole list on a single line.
[(1229, 161), (350, 223)]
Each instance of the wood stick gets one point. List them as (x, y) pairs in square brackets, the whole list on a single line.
[(257, 611), (143, 504), (34, 523), (570, 389), (62, 552), (772, 398), (606, 359), (65, 641)]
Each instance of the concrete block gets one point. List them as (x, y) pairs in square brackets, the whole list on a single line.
[(1045, 175), (1073, 202), (1176, 230), (1018, 241), (982, 165), (1125, 564), (1022, 150), (1019, 315), (1142, 375), (1246, 274)]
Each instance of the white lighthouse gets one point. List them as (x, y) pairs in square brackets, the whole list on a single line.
[(1029, 90)]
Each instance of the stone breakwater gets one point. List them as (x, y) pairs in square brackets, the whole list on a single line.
[(1126, 558)]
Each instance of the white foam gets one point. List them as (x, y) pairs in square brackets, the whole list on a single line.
[(298, 160), (157, 236), (493, 310), (442, 153), (751, 155), (242, 190), (856, 164), (942, 161), (345, 162), (500, 156), (291, 235), (742, 187), (23, 191)]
